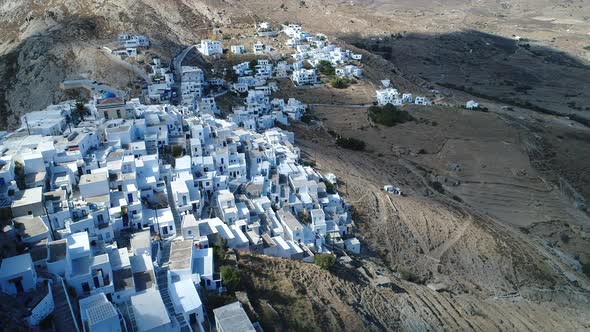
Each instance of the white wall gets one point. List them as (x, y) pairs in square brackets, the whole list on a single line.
[(42, 310)]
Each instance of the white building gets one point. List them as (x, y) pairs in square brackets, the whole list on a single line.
[(186, 301), (304, 77), (18, 278), (349, 71), (150, 312), (18, 275), (231, 318), (210, 47), (98, 314), (237, 49), (472, 104), (421, 101), (388, 96), (85, 273), (258, 48), (353, 245)]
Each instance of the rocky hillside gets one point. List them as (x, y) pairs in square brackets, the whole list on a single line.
[(43, 43)]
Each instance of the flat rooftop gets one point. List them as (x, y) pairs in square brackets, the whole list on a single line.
[(180, 255), (123, 279), (16, 265), (27, 197), (57, 250), (93, 177), (30, 226), (232, 317), (150, 312), (141, 240)]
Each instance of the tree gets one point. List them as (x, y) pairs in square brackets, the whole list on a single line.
[(326, 68), (340, 82), (230, 277), (230, 75), (80, 109), (350, 143), (252, 65), (19, 175), (219, 251), (330, 189), (304, 217), (176, 151), (389, 115), (325, 261)]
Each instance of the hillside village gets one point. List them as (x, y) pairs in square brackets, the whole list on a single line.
[(116, 209)]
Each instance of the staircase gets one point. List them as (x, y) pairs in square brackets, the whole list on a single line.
[(62, 315), (129, 316), (162, 279)]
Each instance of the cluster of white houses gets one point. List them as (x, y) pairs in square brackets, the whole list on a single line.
[(315, 49), (75, 189), (127, 45), (120, 208), (311, 49), (390, 95)]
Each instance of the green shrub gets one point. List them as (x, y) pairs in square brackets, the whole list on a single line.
[(407, 275), (176, 151), (306, 118), (19, 175), (340, 82), (230, 277), (219, 252), (350, 143), (304, 217), (308, 163), (326, 68), (438, 187), (252, 65), (325, 261), (330, 189), (389, 115)]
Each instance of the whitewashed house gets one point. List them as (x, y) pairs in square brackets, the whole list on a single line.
[(98, 314), (232, 317), (237, 49), (258, 48), (472, 104), (210, 47), (304, 77)]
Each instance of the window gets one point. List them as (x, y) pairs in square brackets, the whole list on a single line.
[(190, 232), (170, 227)]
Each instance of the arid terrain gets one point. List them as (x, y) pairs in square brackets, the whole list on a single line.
[(504, 233)]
